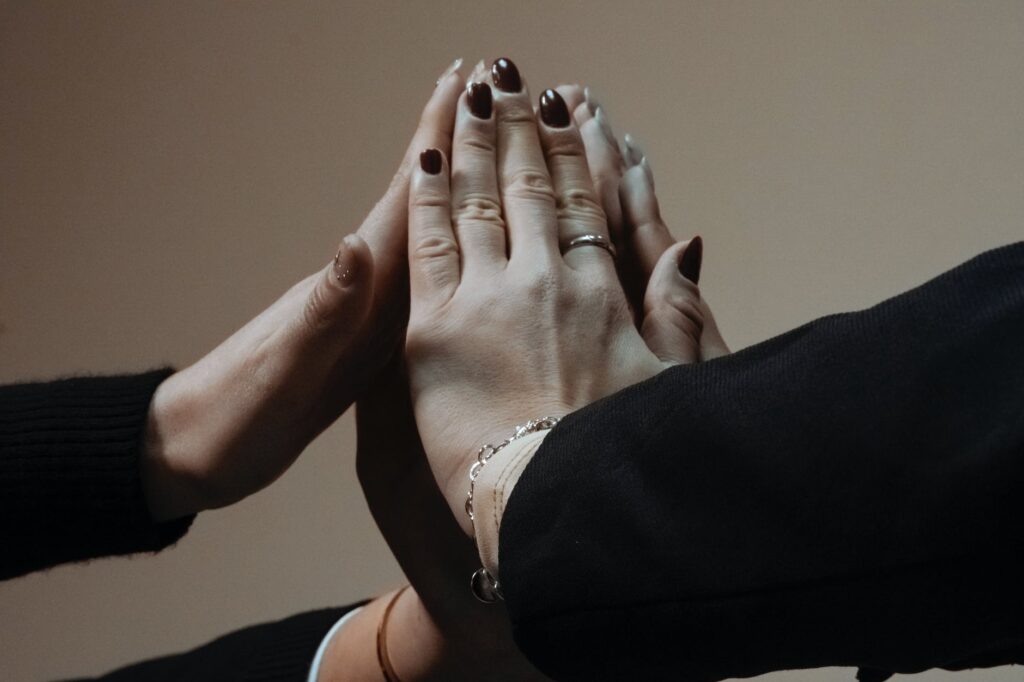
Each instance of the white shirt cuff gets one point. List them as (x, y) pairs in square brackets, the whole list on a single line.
[(314, 669)]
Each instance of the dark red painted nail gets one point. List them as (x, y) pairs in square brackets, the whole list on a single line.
[(430, 161), (689, 264), (553, 110), (506, 76), (481, 102)]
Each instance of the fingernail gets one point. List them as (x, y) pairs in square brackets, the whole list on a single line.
[(592, 103), (506, 75), (646, 165), (606, 127), (689, 264), (452, 68), (479, 72), (553, 110), (430, 161), (633, 152), (346, 267), (480, 99)]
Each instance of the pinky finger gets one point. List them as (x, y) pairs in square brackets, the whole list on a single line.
[(433, 250), (646, 231)]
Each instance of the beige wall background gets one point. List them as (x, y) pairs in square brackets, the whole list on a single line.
[(167, 169)]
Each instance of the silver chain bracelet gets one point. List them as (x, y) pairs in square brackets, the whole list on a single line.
[(484, 586)]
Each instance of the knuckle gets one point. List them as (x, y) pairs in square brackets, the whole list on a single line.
[(517, 115), (565, 147), (425, 198), (606, 180), (649, 225), (431, 247), (543, 284), (476, 142), (576, 204), (529, 184), (681, 310), (479, 207)]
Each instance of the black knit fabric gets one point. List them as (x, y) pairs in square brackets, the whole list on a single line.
[(70, 490), (846, 494), (69, 472), (281, 651)]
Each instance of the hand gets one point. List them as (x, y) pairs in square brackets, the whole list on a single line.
[(494, 339), (233, 422), (624, 182), (437, 629)]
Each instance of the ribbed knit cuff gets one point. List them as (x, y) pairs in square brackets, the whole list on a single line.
[(69, 472)]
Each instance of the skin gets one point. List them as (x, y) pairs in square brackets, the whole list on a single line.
[(487, 273), (438, 631), (233, 422)]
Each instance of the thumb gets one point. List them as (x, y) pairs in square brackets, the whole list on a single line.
[(673, 314), (340, 298)]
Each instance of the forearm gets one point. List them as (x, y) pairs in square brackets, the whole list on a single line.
[(820, 499), (69, 471), (417, 649)]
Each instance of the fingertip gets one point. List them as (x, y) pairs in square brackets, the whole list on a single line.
[(673, 318), (429, 184), (431, 161), (666, 271), (582, 114), (340, 299), (639, 202), (353, 261), (572, 94), (691, 258), (352, 267)]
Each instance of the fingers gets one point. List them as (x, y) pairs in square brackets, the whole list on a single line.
[(605, 161), (673, 315), (339, 300), (527, 194), (385, 227), (646, 232), (476, 201), (573, 95), (578, 211), (433, 251)]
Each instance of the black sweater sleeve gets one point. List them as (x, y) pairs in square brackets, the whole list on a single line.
[(69, 472), (847, 494), (281, 651)]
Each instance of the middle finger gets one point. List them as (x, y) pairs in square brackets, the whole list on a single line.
[(527, 194)]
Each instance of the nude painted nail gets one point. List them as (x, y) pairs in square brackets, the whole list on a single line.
[(479, 73), (452, 68), (346, 267), (633, 153), (606, 128), (592, 103), (646, 165)]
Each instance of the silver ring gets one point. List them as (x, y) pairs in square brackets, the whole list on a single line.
[(598, 240)]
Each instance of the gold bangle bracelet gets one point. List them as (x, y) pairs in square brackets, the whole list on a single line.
[(382, 641)]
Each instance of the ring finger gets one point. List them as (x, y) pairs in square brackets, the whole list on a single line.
[(581, 221)]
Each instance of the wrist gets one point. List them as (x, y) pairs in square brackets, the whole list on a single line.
[(416, 647), (479, 468), (167, 483)]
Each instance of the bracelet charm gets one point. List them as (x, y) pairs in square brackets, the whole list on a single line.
[(484, 585)]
